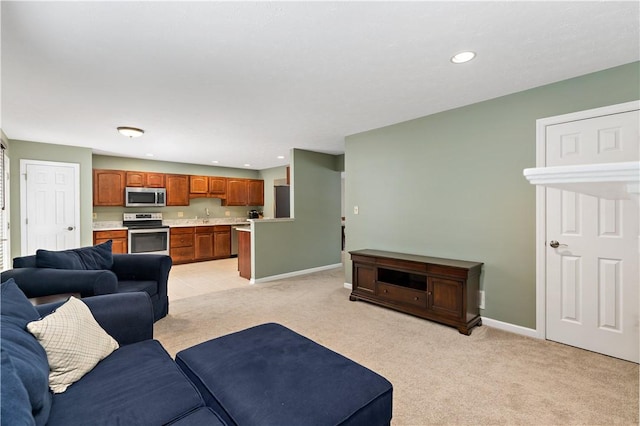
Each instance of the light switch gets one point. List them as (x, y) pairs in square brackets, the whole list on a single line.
[(180, 214), (355, 209)]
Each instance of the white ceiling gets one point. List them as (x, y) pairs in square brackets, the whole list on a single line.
[(244, 82)]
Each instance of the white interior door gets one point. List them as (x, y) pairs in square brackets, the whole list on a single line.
[(592, 274), (50, 206)]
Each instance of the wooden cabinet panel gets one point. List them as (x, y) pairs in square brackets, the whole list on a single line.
[(145, 179), (118, 238), (442, 290), (237, 192), (135, 179), (181, 247), (366, 278), (177, 190), (198, 185), (256, 192), (244, 254), (108, 187), (222, 241), (204, 246), (446, 297), (154, 180), (244, 192), (217, 185)]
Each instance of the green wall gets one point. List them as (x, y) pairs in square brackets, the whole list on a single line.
[(451, 184), (312, 239), (19, 150)]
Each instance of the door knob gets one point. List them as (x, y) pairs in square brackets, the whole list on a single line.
[(556, 244), (70, 228)]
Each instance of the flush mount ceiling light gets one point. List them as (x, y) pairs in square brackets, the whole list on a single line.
[(131, 132), (463, 57)]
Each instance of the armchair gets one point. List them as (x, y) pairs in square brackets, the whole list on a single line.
[(127, 273)]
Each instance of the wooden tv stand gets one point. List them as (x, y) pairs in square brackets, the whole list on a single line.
[(442, 290)]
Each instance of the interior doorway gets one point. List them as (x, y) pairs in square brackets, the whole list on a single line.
[(588, 275), (49, 205)]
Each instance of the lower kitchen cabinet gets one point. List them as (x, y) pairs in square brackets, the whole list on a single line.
[(118, 238), (198, 243), (181, 245), (442, 290)]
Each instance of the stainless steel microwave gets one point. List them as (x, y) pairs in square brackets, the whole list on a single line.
[(145, 197)]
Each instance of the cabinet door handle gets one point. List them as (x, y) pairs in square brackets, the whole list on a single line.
[(416, 298), (385, 291)]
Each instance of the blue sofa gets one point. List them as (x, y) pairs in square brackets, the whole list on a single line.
[(116, 273), (265, 375)]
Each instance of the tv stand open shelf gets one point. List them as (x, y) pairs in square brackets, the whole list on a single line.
[(442, 290)]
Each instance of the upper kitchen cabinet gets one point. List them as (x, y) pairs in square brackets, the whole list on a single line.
[(108, 187), (244, 192), (237, 192), (217, 186), (207, 186), (145, 179), (177, 190), (198, 185), (256, 192)]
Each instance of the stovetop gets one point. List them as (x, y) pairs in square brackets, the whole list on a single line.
[(143, 220)]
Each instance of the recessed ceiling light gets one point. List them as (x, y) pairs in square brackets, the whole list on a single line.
[(247, 165), (149, 154), (215, 161), (131, 132), (463, 57), (280, 157)]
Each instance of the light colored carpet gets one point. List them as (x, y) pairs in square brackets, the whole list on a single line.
[(439, 376)]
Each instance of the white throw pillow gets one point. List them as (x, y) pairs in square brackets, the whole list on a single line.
[(74, 342)]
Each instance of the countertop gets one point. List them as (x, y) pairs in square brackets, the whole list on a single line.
[(173, 223)]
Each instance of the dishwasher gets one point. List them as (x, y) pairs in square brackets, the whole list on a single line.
[(234, 238)]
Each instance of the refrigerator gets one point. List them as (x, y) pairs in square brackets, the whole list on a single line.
[(282, 201)]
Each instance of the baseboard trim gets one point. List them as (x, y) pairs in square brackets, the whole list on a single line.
[(294, 273), (348, 286), (517, 329)]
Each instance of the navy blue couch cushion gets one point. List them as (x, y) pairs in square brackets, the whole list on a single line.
[(270, 375), (201, 417), (15, 408), (95, 257), (139, 384), (23, 355)]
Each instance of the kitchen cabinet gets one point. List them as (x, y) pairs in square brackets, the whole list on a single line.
[(244, 192), (217, 186), (222, 241), (204, 243), (181, 244), (177, 190), (442, 290), (198, 185), (212, 242), (118, 238), (108, 187), (256, 192), (144, 179), (207, 187)]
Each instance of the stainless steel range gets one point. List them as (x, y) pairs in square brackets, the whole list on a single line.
[(147, 234)]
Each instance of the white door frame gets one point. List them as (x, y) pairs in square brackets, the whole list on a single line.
[(23, 198), (541, 193)]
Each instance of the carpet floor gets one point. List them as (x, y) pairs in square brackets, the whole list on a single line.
[(439, 376)]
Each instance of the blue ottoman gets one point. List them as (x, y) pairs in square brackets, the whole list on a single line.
[(270, 375)]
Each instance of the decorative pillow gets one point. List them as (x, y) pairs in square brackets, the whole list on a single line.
[(95, 257), (74, 342)]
